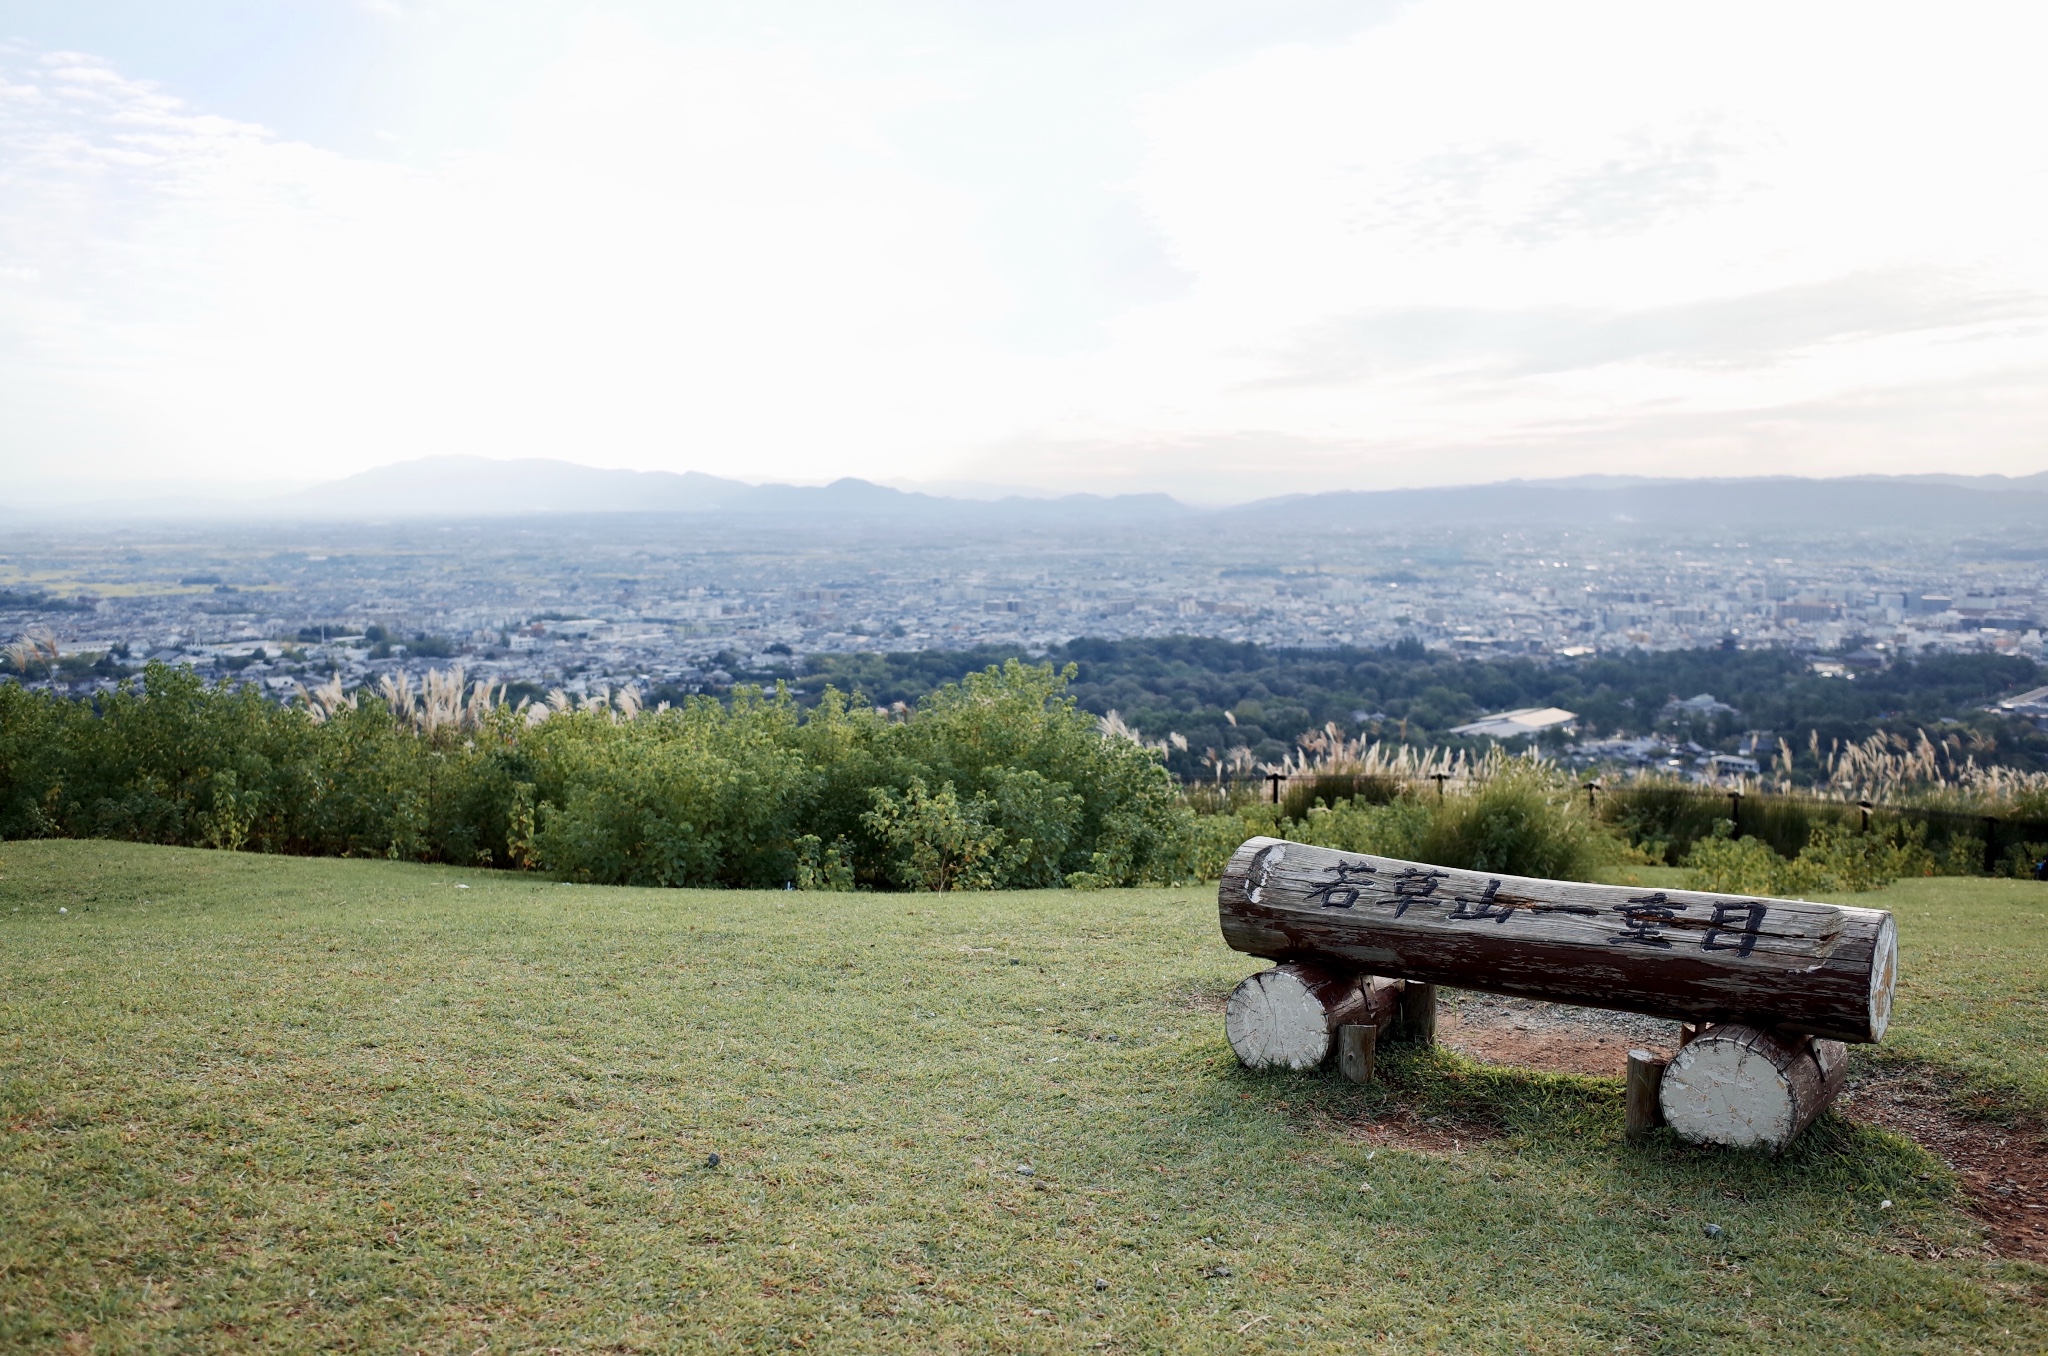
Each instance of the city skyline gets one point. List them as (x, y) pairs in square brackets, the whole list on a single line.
[(651, 598)]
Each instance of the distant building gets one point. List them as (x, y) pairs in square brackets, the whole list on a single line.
[(2034, 704), (1703, 705), (1517, 724), (1640, 752)]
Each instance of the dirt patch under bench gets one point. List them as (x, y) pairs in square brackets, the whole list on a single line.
[(1548, 1036)]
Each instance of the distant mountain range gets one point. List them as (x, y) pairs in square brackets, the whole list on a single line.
[(1950, 502), (477, 487)]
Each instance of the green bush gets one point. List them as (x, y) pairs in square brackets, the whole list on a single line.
[(1395, 828), (1523, 818), (1664, 820), (1736, 866), (993, 782), (2023, 860), (1835, 860), (823, 868), (1331, 789), (1217, 836), (697, 796), (937, 843)]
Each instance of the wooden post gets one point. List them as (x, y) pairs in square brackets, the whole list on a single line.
[(1738, 1086), (1418, 1013), (1356, 1043), (1639, 1105), (1990, 846), (1684, 955)]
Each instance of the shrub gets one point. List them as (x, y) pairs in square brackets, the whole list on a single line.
[(1328, 789), (754, 793), (1664, 819), (1834, 861), (1524, 820), (1396, 828), (681, 798), (2026, 861), (936, 842), (1216, 836), (1735, 866), (1522, 817), (823, 868)]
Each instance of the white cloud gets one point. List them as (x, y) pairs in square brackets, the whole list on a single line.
[(1483, 238), (684, 256), (1494, 238)]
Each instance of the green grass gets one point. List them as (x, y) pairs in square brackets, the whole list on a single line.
[(1973, 986), (258, 1103)]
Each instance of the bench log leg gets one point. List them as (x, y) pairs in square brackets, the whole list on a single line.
[(1356, 1044), (1645, 1077), (1418, 1013), (1287, 1017)]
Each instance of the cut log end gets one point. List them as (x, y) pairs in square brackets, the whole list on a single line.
[(1884, 976), (1286, 1017), (1279, 1018), (1744, 1088)]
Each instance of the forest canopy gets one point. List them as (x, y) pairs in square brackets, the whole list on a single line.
[(1198, 687)]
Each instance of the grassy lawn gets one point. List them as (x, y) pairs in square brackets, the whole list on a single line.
[(1973, 985), (259, 1103)]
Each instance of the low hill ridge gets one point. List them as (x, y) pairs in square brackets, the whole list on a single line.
[(463, 486)]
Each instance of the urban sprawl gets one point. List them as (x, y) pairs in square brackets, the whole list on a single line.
[(693, 604)]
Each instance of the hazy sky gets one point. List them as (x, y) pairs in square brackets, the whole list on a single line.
[(1222, 249)]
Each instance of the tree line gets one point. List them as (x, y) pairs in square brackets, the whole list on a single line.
[(996, 780), (1219, 694)]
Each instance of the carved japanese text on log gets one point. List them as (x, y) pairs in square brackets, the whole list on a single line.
[(1822, 969)]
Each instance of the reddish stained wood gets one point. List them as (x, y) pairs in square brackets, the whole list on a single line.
[(1822, 969)]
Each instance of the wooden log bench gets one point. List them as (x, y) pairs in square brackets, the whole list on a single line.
[(1771, 990)]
